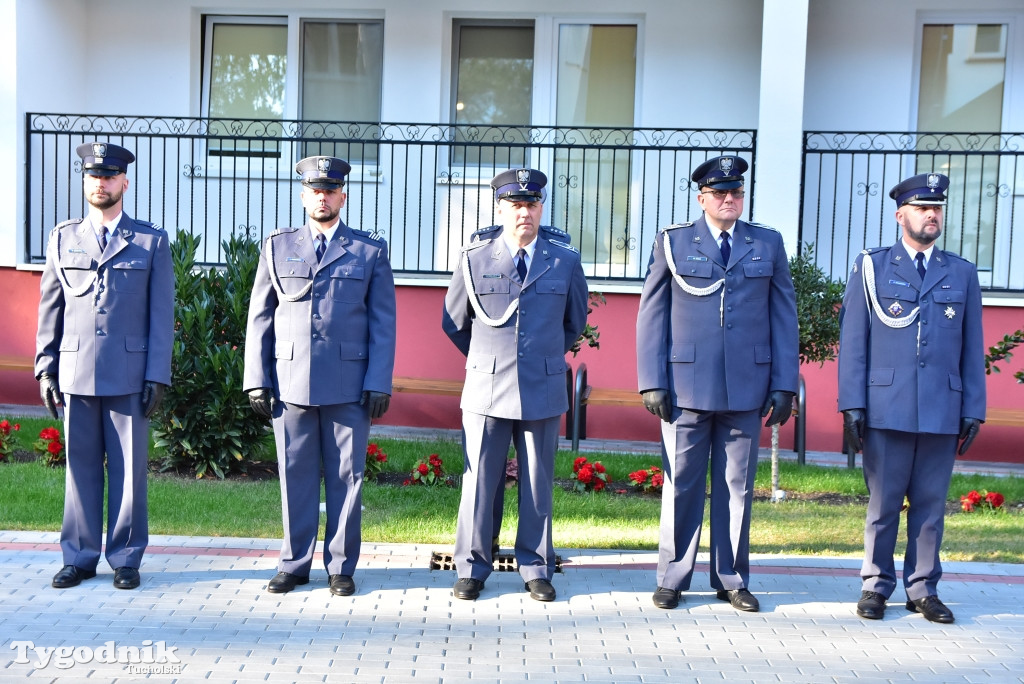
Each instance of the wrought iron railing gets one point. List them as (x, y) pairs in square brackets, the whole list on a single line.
[(845, 204), (424, 187)]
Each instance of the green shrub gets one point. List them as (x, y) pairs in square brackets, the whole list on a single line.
[(205, 424), (817, 307)]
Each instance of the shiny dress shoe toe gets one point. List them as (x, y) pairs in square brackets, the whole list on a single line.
[(932, 608), (342, 585), (126, 578), (71, 576), (666, 598), (540, 590), (283, 582), (741, 599), (871, 605), (467, 588)]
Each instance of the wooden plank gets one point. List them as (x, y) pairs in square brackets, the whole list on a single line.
[(16, 363), (452, 388), (1004, 416), (611, 397)]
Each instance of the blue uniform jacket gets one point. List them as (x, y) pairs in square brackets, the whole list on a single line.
[(106, 319), (517, 370), (713, 353), (335, 340), (923, 377)]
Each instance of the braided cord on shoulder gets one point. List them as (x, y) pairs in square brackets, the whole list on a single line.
[(73, 291), (689, 289), (275, 280), (474, 300), (868, 266)]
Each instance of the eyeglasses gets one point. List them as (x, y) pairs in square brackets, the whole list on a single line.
[(720, 194)]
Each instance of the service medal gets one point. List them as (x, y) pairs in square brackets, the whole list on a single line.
[(895, 309), (950, 312)]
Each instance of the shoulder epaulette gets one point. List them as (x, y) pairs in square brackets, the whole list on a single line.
[(873, 250), (761, 225), (476, 245), (69, 222), (148, 224), (481, 233), (375, 237), (688, 224), (283, 231), (565, 245), (552, 233)]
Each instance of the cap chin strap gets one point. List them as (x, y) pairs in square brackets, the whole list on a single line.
[(869, 293)]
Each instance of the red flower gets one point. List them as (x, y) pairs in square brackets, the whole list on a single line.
[(974, 497), (598, 485), (586, 474), (578, 463), (657, 480), (598, 466), (966, 505), (49, 433), (435, 460), (54, 447), (995, 499), (423, 468), (381, 457), (639, 476)]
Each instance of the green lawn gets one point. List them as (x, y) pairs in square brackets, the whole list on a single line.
[(31, 498)]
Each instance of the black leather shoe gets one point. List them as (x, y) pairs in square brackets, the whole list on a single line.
[(871, 605), (126, 578), (741, 599), (932, 608), (71, 576), (666, 598), (283, 582), (342, 585), (540, 590), (468, 588)]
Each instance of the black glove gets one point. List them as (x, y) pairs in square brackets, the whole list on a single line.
[(50, 393), (152, 395), (377, 401), (969, 428), (780, 404), (261, 402), (853, 428), (657, 402)]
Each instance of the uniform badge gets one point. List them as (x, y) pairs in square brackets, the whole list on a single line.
[(933, 181), (949, 313), (726, 165), (895, 309), (323, 165), (99, 150)]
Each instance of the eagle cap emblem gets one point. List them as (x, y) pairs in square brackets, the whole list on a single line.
[(323, 165), (725, 164), (99, 150), (523, 176), (933, 181)]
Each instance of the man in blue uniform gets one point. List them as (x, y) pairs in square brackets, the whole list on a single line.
[(516, 303), (106, 328), (319, 356), (911, 385), (717, 350)]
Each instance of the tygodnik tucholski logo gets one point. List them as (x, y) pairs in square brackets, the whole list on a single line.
[(152, 657)]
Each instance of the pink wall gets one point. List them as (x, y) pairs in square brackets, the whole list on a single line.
[(424, 351)]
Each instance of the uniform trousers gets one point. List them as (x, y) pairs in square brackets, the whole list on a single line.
[(729, 439), (917, 466), (313, 439), (111, 429), (486, 441)]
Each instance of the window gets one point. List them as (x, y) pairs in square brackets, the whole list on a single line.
[(246, 77), (962, 81), (493, 87)]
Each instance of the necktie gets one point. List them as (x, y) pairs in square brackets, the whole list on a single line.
[(920, 264), (102, 237), (726, 249), (521, 264), (321, 247)]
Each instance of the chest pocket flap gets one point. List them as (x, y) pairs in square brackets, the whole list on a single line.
[(694, 269), (758, 269), (294, 269), (552, 286), (488, 285), (129, 265), (84, 261), (356, 271)]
